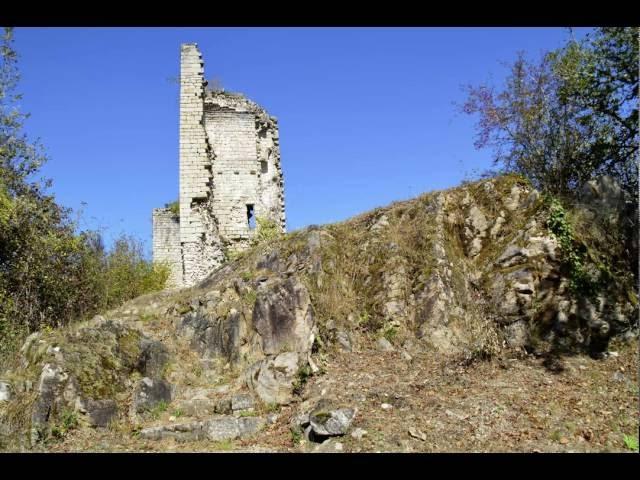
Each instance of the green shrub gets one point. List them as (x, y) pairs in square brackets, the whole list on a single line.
[(50, 273)]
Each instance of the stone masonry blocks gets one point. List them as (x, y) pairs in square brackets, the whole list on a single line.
[(229, 159)]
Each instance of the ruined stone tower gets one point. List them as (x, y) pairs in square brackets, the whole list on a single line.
[(230, 175)]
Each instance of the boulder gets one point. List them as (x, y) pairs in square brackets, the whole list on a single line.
[(272, 378), (326, 421), (384, 345), (216, 429), (150, 392)]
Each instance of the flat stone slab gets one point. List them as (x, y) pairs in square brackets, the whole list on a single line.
[(242, 401), (223, 427)]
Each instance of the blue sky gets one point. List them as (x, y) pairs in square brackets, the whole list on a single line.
[(367, 115)]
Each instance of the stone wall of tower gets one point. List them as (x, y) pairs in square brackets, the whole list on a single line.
[(246, 168), (201, 249), (166, 243), (229, 161), (235, 171), (270, 177)]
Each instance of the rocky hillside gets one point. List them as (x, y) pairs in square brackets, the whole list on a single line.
[(478, 318)]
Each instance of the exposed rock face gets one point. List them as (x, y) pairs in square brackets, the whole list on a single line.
[(283, 317), (100, 412), (464, 273), (153, 358), (242, 402), (86, 372), (272, 378), (49, 389), (150, 392)]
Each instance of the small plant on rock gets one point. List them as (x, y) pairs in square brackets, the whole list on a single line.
[(178, 412), (160, 407), (296, 435), (68, 421), (250, 297), (304, 373), (267, 231), (390, 332)]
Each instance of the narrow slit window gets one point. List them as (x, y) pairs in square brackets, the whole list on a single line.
[(264, 166), (251, 218)]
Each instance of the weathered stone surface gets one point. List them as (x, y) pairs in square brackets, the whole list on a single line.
[(512, 256), (272, 379), (475, 230), (242, 401), (516, 334), (200, 406), (52, 380), (229, 428), (248, 426), (223, 406), (329, 423), (5, 391), (384, 345), (344, 340), (283, 317), (269, 261), (223, 428), (100, 412), (184, 432), (151, 392), (214, 337), (153, 358), (512, 201)]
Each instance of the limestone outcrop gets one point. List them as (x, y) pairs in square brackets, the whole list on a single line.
[(466, 273)]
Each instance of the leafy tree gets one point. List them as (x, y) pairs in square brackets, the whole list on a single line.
[(600, 75), (49, 274)]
